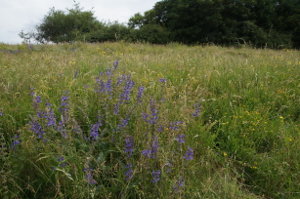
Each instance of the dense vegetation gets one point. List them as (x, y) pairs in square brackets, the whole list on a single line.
[(259, 23), (121, 120)]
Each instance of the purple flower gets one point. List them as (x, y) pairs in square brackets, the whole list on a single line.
[(32, 93), (120, 80), (104, 86), (146, 153), (129, 172), (153, 117), (36, 128), (100, 85), (169, 166), (76, 73), (109, 86), (63, 164), (95, 131), (189, 154), (64, 108), (129, 146), (154, 147), (90, 179), (125, 95), (36, 101), (15, 141), (64, 103), (88, 169), (174, 125), (197, 110), (89, 175), (124, 123), (61, 128), (154, 112), (60, 159), (163, 80), (49, 115), (108, 72), (160, 128), (145, 116), (115, 64), (140, 94), (180, 138), (51, 119), (1, 113), (40, 114), (95, 128), (76, 127), (155, 176), (179, 183), (116, 109), (31, 47)]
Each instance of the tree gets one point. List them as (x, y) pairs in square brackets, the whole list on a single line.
[(146, 28), (191, 21), (288, 19), (59, 26), (258, 22), (136, 21), (27, 37)]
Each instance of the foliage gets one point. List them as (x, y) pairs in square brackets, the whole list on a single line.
[(154, 34), (111, 32), (288, 19)]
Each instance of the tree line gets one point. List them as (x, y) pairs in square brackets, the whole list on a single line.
[(258, 23)]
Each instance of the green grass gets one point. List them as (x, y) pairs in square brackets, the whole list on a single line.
[(245, 140)]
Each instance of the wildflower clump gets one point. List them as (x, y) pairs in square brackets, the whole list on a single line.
[(123, 134)]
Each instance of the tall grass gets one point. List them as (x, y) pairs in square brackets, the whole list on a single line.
[(120, 120)]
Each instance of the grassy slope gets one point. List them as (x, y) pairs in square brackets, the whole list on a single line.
[(245, 140)]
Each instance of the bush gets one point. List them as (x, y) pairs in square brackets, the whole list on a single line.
[(153, 33), (259, 37)]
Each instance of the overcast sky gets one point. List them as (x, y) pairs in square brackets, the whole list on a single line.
[(17, 15)]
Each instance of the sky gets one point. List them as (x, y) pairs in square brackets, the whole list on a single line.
[(18, 15)]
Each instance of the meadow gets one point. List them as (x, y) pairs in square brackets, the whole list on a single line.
[(121, 120)]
